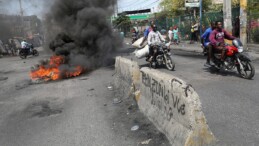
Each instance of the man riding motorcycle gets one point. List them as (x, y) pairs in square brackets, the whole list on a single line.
[(206, 44), (154, 38), (217, 37), (25, 45)]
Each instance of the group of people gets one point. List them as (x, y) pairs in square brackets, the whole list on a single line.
[(213, 41)]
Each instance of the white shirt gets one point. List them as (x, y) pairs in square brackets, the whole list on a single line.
[(24, 44), (196, 27), (155, 37)]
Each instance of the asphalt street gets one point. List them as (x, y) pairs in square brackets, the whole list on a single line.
[(230, 103), (72, 112)]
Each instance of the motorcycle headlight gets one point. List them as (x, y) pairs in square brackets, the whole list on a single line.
[(240, 49)]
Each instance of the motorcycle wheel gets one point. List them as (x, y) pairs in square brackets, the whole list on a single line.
[(35, 52), (170, 65), (22, 55), (249, 70)]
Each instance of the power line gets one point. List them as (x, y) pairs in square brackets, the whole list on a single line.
[(152, 3), (141, 3), (133, 3)]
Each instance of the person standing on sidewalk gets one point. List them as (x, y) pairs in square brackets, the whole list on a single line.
[(194, 32), (205, 40), (176, 35), (170, 35)]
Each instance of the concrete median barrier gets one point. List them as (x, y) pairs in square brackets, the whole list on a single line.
[(171, 104)]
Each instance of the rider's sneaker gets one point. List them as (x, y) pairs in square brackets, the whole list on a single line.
[(207, 64)]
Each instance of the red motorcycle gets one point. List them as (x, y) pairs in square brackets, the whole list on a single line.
[(235, 58)]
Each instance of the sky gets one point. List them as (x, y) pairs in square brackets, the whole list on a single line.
[(128, 5), (40, 7), (30, 7)]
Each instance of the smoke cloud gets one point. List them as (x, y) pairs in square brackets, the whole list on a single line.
[(81, 31), (30, 7)]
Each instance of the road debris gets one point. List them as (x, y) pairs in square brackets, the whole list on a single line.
[(146, 142), (92, 89), (110, 87), (135, 128), (117, 101)]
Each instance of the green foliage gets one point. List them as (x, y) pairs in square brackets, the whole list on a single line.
[(253, 6), (173, 7), (123, 21)]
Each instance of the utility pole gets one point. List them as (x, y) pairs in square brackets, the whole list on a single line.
[(243, 22), (194, 12), (200, 17), (117, 8), (22, 21), (227, 15)]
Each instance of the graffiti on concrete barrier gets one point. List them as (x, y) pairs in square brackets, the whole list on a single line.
[(161, 97)]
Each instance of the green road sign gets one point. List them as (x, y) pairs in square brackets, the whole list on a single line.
[(139, 17)]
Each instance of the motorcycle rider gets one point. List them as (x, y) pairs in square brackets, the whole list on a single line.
[(217, 37), (206, 44), (154, 37), (25, 45)]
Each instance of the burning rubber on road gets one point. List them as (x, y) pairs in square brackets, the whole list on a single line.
[(53, 70)]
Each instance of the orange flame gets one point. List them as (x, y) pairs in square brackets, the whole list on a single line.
[(51, 71)]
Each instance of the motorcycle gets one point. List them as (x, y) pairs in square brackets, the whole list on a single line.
[(29, 50), (235, 59), (162, 56)]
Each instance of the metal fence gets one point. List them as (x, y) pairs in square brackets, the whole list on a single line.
[(184, 22), (253, 28)]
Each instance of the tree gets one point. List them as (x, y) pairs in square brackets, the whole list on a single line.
[(173, 7), (123, 22)]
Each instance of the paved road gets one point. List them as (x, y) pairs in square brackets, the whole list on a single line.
[(71, 112), (230, 103)]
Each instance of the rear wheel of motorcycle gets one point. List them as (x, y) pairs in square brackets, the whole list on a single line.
[(249, 70), (35, 53), (169, 63)]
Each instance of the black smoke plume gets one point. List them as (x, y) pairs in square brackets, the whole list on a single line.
[(81, 30)]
